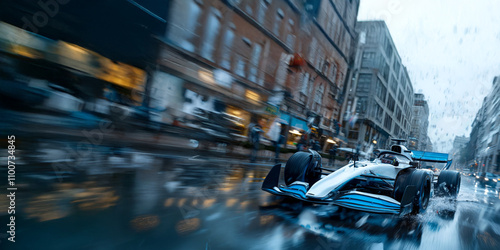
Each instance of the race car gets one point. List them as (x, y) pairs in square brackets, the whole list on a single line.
[(393, 183)]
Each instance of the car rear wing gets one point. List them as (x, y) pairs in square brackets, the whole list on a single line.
[(432, 157)]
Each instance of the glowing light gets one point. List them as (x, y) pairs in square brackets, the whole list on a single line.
[(145, 222), (206, 76), (252, 95), (231, 202), (330, 141), (187, 226), (208, 203), (169, 202)]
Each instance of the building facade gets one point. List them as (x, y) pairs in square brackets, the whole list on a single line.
[(419, 124), (380, 94), (272, 59), (485, 142)]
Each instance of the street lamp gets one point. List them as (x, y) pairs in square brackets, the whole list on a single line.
[(374, 142)]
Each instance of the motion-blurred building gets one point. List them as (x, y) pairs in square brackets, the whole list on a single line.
[(283, 61), (484, 138), (82, 47), (419, 124), (179, 61), (459, 142), (380, 94)]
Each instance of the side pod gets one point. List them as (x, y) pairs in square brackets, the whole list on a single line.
[(272, 178)]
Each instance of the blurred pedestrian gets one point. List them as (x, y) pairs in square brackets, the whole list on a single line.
[(254, 133), (278, 143), (333, 154), (316, 146), (302, 144)]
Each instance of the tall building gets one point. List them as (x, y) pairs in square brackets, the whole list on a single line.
[(379, 96), (258, 59), (485, 142), (459, 142), (419, 123)]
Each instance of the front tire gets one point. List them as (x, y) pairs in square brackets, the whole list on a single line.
[(300, 167), (421, 180)]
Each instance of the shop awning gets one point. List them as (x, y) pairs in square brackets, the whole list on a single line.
[(299, 124), (285, 118)]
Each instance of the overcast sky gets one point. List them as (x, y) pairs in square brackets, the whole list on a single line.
[(451, 49)]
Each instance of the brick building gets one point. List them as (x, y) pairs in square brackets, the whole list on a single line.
[(234, 56)]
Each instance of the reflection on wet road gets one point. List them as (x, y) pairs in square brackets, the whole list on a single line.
[(217, 204)]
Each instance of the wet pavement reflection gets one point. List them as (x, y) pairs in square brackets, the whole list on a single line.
[(195, 203)]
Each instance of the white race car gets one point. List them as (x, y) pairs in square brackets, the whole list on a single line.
[(393, 183)]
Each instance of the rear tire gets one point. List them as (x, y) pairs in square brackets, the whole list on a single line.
[(448, 184), (300, 168)]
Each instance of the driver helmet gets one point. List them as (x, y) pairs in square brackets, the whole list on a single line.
[(389, 159)]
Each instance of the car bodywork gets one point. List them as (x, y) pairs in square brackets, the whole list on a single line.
[(363, 185)]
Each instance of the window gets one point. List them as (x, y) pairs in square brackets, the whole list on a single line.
[(319, 59), (211, 33), (318, 97), (184, 24), (388, 49), (303, 98), (277, 22), (333, 72), (398, 114), (391, 103), (362, 105), (368, 55), (400, 97), (305, 83), (364, 83), (388, 122), (378, 112), (370, 60), (248, 9), (396, 130), (240, 66), (394, 84), (380, 90), (397, 67), (290, 37), (312, 50), (226, 49), (261, 14), (254, 63), (385, 72)]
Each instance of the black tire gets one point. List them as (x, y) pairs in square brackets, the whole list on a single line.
[(421, 180), (299, 168), (448, 183), (402, 180)]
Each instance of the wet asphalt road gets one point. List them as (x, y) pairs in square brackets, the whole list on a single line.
[(193, 203)]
